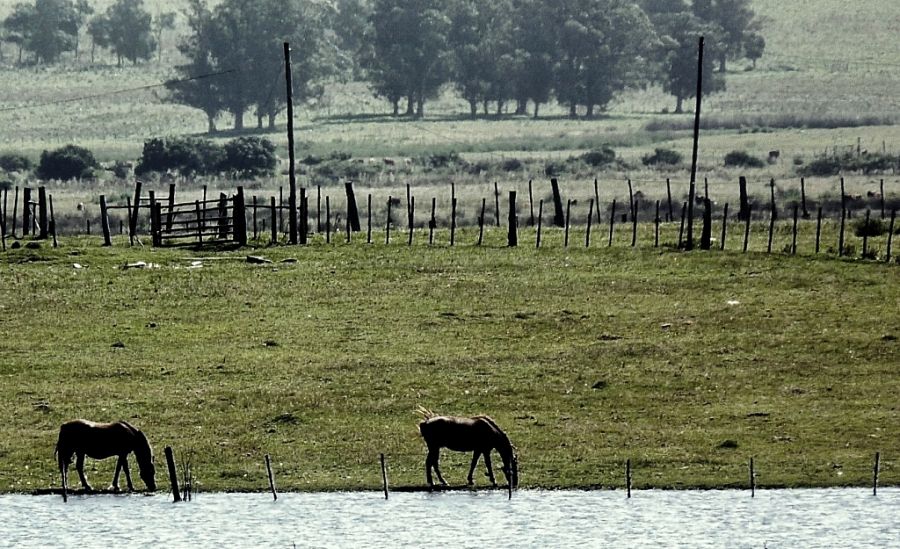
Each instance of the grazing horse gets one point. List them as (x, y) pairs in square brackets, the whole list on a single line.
[(100, 441), (479, 435)]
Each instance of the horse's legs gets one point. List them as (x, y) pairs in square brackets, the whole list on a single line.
[(64, 473), (79, 465), (434, 456), (475, 455), (428, 478), (124, 460), (490, 470)]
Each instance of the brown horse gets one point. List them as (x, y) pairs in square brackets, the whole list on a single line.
[(100, 441), (479, 435)]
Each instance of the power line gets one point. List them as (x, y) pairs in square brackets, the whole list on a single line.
[(117, 92)]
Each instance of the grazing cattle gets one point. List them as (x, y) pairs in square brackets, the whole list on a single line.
[(389, 162), (774, 156)]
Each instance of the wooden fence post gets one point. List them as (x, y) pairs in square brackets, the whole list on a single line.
[(240, 217), (173, 476), (303, 218), (684, 207), (104, 221), (656, 227), (587, 232), (452, 221), (539, 223), (671, 215), (513, 238), (411, 215), (558, 219), (803, 197), (387, 224), (432, 222), (744, 211), (818, 228), (52, 222), (352, 210), (43, 226), (157, 218), (631, 205), (747, 227), (327, 219), (318, 209), (255, 218), (597, 201), (269, 467), (496, 204), (875, 473), (612, 222), (26, 211), (773, 215), (568, 213), (706, 231), (369, 218), (384, 479), (136, 209), (752, 480), (531, 205), (199, 217), (15, 211), (628, 477), (724, 226), (481, 222), (170, 213), (890, 236), (634, 221), (843, 220), (881, 194)]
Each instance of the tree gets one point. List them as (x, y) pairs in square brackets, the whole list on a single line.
[(83, 10), (736, 23), (677, 56), (602, 47), (754, 46), (125, 28), (410, 52), (162, 22), (534, 52), (197, 88), (19, 26), (47, 28), (351, 24)]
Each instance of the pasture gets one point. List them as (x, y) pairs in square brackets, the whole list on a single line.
[(686, 363)]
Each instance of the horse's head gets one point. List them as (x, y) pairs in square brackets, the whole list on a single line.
[(144, 455), (511, 468)]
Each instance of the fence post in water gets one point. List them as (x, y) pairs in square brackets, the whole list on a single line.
[(747, 227), (557, 203), (539, 223), (274, 219), (432, 223), (104, 221), (612, 222), (843, 220), (875, 473), (656, 227), (568, 213), (724, 226), (865, 250), (513, 238), (794, 233), (387, 224), (706, 231), (752, 480), (634, 222), (587, 232), (628, 477), (173, 476), (271, 476), (384, 479), (481, 222), (890, 241)]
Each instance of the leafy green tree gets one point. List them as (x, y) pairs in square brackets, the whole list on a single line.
[(754, 46), (162, 22), (410, 55), (677, 56), (83, 10), (196, 88), (125, 28), (19, 26), (351, 23), (534, 52), (735, 22), (46, 28), (602, 47)]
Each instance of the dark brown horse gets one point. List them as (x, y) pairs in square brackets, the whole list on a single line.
[(101, 441), (479, 435)]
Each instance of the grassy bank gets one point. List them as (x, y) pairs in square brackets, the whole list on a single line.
[(687, 363)]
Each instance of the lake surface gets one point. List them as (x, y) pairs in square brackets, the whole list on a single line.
[(774, 518)]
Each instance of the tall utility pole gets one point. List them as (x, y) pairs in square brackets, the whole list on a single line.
[(689, 245), (292, 198)]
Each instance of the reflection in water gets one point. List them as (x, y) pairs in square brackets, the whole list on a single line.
[(775, 518)]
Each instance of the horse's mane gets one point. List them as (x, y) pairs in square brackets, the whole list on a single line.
[(500, 433)]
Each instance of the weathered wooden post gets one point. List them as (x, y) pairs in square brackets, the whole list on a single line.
[(352, 210), (496, 204), (170, 213), (568, 214), (540, 223), (634, 223), (432, 222), (199, 217), (15, 211), (890, 241), (104, 221), (26, 211), (794, 233), (612, 222), (292, 173), (452, 221), (818, 228), (481, 222), (744, 211), (135, 212), (773, 215), (530, 205), (671, 214), (411, 214), (558, 219), (724, 226), (269, 467), (689, 245), (303, 218), (597, 201), (656, 227), (43, 227), (173, 476), (752, 480), (684, 207), (843, 220), (631, 205), (875, 473), (706, 231), (803, 198), (318, 209), (255, 218), (387, 223), (587, 232), (628, 477), (327, 219), (369, 217), (881, 194), (384, 479), (513, 238)]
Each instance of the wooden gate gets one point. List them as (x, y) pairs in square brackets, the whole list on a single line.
[(202, 222)]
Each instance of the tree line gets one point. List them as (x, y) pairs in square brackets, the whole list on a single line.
[(499, 56)]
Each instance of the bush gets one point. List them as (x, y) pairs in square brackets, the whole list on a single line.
[(69, 162), (867, 164), (511, 165), (822, 166), (553, 169), (250, 156), (599, 157), (875, 227), (742, 159), (442, 160), (14, 163), (186, 155), (662, 156)]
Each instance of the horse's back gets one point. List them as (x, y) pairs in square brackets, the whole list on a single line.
[(458, 433), (97, 440)]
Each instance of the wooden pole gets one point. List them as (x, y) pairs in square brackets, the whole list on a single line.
[(269, 467), (671, 216), (684, 207), (773, 214), (15, 211), (818, 228), (803, 198), (794, 232), (612, 222), (387, 223), (689, 245), (52, 225), (327, 219), (173, 476), (26, 211), (531, 205), (747, 227), (352, 210), (411, 214), (881, 194), (43, 225), (481, 222), (136, 210), (128, 207), (199, 217), (3, 220), (318, 208), (597, 201), (568, 213), (540, 219), (875, 473), (302, 219), (631, 205), (239, 211), (744, 210), (292, 170), (496, 204), (656, 227), (349, 227), (634, 222), (384, 479), (432, 222), (706, 232), (280, 208), (843, 220), (104, 221), (752, 480), (890, 241), (628, 477), (255, 217), (557, 203), (724, 226), (513, 238), (369, 219), (452, 221), (587, 232)]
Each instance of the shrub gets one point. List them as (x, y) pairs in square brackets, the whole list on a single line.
[(822, 166), (553, 169), (250, 156), (875, 227), (14, 163), (662, 156), (511, 165), (442, 160), (599, 157), (69, 162), (834, 165), (186, 155), (741, 158)]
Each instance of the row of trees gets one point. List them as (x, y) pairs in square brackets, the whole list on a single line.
[(49, 28)]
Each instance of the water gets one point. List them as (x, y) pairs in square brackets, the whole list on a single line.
[(775, 518)]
